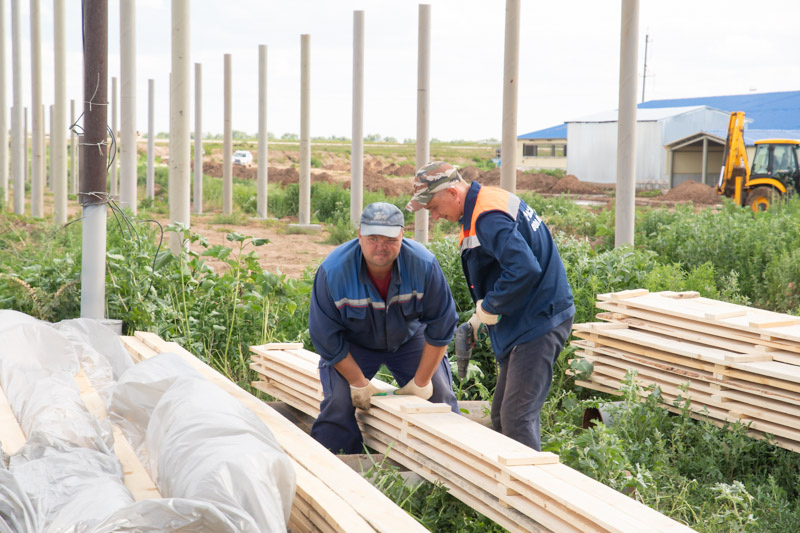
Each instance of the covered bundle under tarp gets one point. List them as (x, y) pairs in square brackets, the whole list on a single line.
[(71, 386)]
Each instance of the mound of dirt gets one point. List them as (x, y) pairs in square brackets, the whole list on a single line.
[(403, 170), (390, 186), (569, 184), (214, 169), (470, 173), (693, 191), (541, 183)]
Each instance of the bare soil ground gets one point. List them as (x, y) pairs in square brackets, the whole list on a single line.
[(292, 253)]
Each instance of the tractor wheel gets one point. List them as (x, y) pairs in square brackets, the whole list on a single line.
[(761, 198)]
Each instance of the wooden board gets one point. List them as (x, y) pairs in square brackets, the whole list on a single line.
[(11, 436), (471, 460), (136, 478), (377, 510)]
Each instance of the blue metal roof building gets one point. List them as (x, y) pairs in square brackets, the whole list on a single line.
[(768, 111)]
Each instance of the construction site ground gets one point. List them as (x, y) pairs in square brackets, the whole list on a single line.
[(292, 252)]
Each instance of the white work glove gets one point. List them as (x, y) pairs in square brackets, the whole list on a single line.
[(412, 388), (360, 396), (487, 318)]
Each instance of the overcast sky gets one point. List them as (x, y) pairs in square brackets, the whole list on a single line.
[(569, 59)]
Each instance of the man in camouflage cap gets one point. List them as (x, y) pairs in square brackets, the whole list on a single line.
[(379, 299), (513, 272), (430, 179)]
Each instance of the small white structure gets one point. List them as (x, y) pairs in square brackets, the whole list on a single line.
[(592, 142)]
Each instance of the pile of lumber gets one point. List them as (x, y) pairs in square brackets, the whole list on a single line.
[(741, 364), (516, 486), (330, 497)]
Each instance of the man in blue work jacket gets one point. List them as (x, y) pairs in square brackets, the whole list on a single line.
[(379, 299), (519, 285)]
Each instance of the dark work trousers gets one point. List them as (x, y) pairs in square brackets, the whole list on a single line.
[(336, 427), (523, 384)]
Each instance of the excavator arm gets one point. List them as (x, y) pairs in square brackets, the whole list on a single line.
[(735, 169)]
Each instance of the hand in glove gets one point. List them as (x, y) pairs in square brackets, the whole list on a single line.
[(412, 388), (481, 317), (360, 395), (487, 318)]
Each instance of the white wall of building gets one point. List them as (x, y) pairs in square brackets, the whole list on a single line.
[(592, 145)]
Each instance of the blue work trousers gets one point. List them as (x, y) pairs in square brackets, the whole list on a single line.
[(336, 426), (523, 384)]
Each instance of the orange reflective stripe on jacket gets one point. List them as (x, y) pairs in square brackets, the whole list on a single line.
[(489, 199)]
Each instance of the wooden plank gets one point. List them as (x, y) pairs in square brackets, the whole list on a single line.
[(136, 478), (282, 346), (540, 458), (778, 323), (426, 407), (380, 512), (702, 326), (12, 437), (138, 350), (334, 511), (680, 295)]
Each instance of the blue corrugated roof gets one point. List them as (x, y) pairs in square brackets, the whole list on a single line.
[(553, 132), (768, 111)]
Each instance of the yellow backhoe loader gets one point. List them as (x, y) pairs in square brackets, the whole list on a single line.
[(774, 172)]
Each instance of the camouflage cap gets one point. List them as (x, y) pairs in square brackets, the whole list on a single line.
[(430, 179), (382, 218)]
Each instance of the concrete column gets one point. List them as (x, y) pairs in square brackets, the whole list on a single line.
[(18, 144), (227, 143), (128, 139), (357, 149), (48, 141), (626, 126), (73, 153), (37, 120), (179, 121), (305, 126), (113, 147), (198, 139), (263, 135), (4, 196), (150, 183), (508, 153), (27, 147), (58, 126), (704, 172), (423, 104)]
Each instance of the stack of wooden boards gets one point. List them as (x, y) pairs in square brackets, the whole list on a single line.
[(520, 488), (330, 497), (741, 363)]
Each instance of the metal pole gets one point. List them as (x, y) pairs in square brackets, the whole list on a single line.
[(304, 215), (644, 68), (73, 178), (626, 127), (115, 132), (357, 150), (58, 125), (151, 131), (263, 135), (179, 155), (37, 120), (128, 139), (198, 139), (18, 145), (423, 103), (4, 197), (508, 153), (227, 143), (92, 194)]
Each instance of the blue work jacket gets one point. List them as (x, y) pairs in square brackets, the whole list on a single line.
[(347, 308), (511, 262)]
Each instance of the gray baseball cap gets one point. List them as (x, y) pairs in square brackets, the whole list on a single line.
[(382, 218)]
